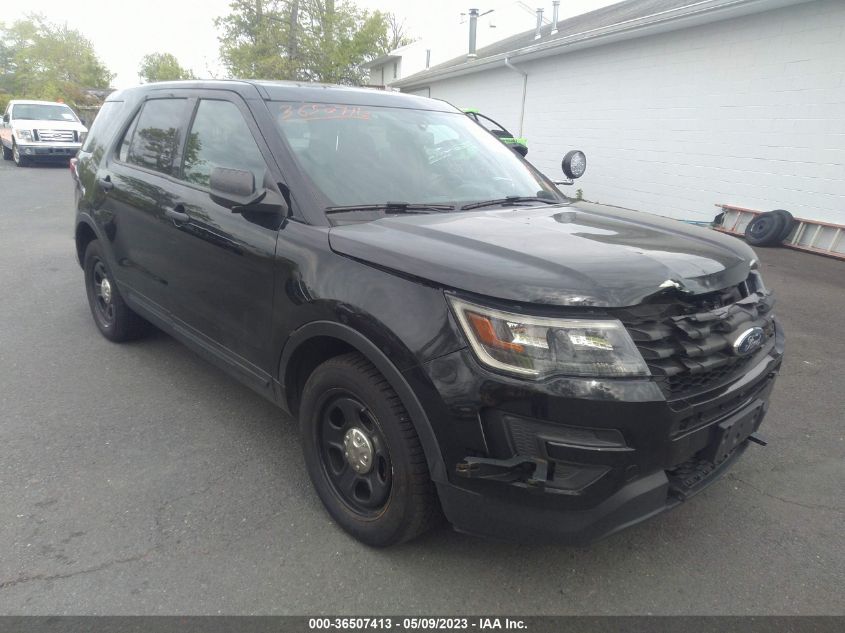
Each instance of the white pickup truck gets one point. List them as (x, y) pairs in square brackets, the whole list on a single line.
[(40, 131)]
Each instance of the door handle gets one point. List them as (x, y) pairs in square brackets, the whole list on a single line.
[(105, 183), (177, 214)]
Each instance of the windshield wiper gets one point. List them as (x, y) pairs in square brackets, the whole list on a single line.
[(509, 200), (393, 207)]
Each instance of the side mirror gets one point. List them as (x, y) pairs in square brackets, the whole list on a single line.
[(6, 118), (574, 164), (233, 188), (237, 182)]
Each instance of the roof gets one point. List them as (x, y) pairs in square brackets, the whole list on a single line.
[(293, 91), (631, 18), (352, 95)]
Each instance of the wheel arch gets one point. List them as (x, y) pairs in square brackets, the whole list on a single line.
[(83, 235), (316, 342)]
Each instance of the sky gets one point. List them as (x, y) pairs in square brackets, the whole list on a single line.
[(186, 28)]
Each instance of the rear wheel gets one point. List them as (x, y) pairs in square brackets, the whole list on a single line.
[(115, 320), (363, 454)]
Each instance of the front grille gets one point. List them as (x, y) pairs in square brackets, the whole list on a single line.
[(56, 136), (691, 381), (687, 342)]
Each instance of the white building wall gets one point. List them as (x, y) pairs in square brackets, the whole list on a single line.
[(749, 112), (497, 93)]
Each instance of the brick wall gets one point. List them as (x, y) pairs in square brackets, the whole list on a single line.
[(749, 111)]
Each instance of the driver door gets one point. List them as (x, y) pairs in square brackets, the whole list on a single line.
[(222, 262)]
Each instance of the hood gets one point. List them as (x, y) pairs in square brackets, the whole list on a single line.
[(584, 255)]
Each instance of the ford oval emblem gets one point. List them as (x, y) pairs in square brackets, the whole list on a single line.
[(749, 341)]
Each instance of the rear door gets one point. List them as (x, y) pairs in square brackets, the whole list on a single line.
[(133, 194), (222, 263)]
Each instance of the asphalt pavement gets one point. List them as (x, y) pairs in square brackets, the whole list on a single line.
[(139, 479)]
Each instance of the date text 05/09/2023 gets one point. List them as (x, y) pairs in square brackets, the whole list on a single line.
[(416, 623)]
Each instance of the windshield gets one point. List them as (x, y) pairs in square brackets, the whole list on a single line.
[(366, 155), (43, 112)]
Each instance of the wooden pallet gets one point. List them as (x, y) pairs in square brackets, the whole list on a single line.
[(822, 238)]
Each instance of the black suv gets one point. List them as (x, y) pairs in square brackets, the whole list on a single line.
[(454, 337)]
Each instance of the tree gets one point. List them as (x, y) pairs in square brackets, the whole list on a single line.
[(253, 40), (311, 40), (162, 67), (396, 34), (40, 60)]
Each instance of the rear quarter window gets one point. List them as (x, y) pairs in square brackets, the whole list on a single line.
[(103, 126)]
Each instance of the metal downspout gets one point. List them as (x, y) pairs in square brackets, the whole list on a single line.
[(524, 90)]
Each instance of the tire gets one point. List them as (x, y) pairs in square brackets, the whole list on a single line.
[(765, 229), (115, 320), (395, 500), (7, 153), (20, 161), (789, 223)]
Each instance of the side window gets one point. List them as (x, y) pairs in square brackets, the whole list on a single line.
[(123, 152), (155, 139), (220, 137)]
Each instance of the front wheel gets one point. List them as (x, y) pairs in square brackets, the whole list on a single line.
[(20, 161), (7, 153), (363, 453), (115, 320)]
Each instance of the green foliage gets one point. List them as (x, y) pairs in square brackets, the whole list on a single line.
[(41, 60), (309, 40), (254, 38), (162, 67)]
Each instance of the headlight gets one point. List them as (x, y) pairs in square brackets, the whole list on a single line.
[(536, 347), (25, 135)]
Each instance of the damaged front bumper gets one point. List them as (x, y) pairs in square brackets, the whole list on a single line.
[(576, 484)]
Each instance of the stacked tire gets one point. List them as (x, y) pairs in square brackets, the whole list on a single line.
[(770, 228)]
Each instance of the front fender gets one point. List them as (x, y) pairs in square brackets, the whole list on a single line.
[(391, 373)]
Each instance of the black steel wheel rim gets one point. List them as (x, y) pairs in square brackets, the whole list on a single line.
[(344, 416), (103, 293), (760, 226)]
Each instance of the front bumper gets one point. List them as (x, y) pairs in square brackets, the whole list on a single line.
[(47, 151), (575, 461)]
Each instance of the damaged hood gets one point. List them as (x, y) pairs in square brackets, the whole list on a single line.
[(579, 255)]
